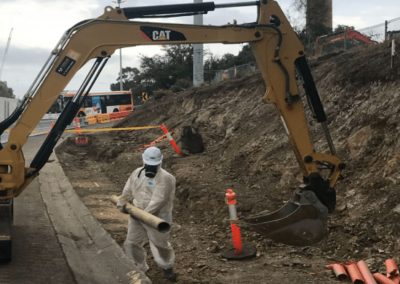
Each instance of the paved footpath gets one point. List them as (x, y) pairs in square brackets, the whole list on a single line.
[(57, 240)]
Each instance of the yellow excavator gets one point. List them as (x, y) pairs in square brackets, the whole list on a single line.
[(280, 58)]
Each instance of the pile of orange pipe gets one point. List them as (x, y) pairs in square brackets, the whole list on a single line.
[(359, 273)]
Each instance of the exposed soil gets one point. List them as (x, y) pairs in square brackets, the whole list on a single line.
[(246, 148)]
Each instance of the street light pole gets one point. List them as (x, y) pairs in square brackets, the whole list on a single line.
[(120, 70), (198, 68), (120, 56)]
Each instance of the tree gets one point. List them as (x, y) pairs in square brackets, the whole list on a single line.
[(318, 17), (130, 78), (173, 70), (165, 70), (5, 91), (343, 28)]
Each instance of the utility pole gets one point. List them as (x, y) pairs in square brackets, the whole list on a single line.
[(386, 30), (120, 55), (198, 68), (5, 53)]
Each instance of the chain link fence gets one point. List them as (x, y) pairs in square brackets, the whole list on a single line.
[(233, 72), (387, 30), (384, 31), (349, 38)]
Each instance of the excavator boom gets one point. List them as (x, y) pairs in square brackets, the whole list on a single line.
[(279, 55)]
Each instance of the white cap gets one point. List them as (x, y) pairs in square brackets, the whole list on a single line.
[(152, 156)]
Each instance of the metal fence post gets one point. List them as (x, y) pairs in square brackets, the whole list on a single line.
[(393, 53)]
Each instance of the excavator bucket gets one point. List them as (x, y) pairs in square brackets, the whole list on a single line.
[(301, 222)]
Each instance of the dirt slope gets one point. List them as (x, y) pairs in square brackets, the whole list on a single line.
[(246, 148)]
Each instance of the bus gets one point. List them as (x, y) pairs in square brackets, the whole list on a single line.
[(97, 102)]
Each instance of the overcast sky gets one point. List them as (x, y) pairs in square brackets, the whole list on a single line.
[(38, 25)]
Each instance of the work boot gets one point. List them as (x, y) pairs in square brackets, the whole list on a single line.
[(170, 275)]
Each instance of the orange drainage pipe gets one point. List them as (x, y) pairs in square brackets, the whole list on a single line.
[(391, 268), (339, 270), (355, 274), (171, 139), (366, 274), (381, 279), (396, 279)]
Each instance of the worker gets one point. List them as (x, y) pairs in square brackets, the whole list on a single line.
[(152, 189)]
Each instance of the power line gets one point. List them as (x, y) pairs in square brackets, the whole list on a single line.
[(5, 52)]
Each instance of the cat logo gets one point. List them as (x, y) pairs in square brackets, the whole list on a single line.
[(161, 35)]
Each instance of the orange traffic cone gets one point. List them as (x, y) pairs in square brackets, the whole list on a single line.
[(77, 125), (239, 250), (171, 139), (80, 139)]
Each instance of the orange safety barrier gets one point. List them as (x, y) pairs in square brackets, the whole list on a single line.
[(91, 119), (125, 113), (153, 143), (171, 139), (158, 140), (119, 115), (126, 108), (114, 115), (103, 118)]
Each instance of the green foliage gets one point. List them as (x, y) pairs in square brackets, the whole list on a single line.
[(130, 78), (174, 70), (213, 64), (5, 91), (342, 28), (165, 70)]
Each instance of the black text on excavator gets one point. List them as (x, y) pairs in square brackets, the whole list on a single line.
[(281, 61)]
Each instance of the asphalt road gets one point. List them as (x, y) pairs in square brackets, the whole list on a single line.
[(57, 240), (37, 254)]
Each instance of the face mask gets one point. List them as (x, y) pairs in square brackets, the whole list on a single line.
[(150, 171)]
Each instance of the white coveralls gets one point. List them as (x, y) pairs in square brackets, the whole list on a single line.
[(155, 196)]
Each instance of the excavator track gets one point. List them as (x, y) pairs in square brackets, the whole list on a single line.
[(6, 220)]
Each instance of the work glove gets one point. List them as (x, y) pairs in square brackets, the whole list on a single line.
[(122, 208)]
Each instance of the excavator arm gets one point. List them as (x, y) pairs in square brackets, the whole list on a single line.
[(277, 49)]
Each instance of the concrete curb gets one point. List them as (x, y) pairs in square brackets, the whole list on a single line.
[(92, 254)]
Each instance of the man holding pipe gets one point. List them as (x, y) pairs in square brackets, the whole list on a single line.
[(152, 189)]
